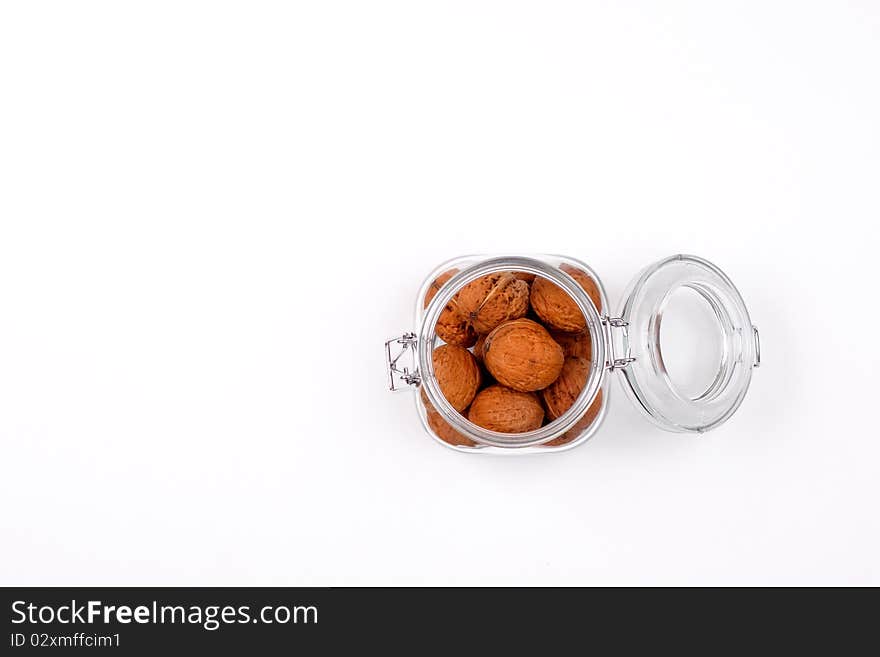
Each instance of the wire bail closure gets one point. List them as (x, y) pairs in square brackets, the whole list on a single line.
[(402, 378), (613, 362)]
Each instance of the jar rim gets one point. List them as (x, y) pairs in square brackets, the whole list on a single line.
[(427, 338)]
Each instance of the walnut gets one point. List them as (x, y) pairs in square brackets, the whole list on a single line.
[(586, 281), (499, 408), (488, 379), (453, 328), (577, 345), (439, 282), (555, 307), (524, 276), (478, 348), (493, 299), (457, 374), (443, 429), (560, 395), (452, 325), (581, 425), (521, 355)]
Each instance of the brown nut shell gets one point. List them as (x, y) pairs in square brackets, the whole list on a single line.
[(453, 328), (452, 325), (575, 345), (521, 355), (478, 348), (524, 276), (493, 299), (554, 305), (438, 282), (587, 282), (499, 408), (561, 394), (458, 374), (578, 429), (443, 429)]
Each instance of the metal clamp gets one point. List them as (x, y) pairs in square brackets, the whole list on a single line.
[(401, 378), (613, 362), (757, 362)]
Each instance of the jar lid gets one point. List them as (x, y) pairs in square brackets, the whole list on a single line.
[(690, 344)]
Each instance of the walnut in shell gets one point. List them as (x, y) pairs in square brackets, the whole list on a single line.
[(524, 276), (488, 379), (493, 299), (561, 394), (555, 307), (452, 325), (520, 354), (453, 328), (438, 282), (478, 348), (586, 281), (457, 373), (443, 429), (576, 345), (499, 408), (578, 429)]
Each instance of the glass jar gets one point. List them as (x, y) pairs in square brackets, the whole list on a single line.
[(625, 345)]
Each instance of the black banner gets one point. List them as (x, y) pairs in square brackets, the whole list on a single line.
[(180, 620)]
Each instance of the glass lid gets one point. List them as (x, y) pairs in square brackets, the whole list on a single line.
[(691, 343)]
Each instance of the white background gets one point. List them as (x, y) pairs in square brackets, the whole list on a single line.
[(213, 214)]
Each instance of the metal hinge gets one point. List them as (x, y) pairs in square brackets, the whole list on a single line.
[(401, 378), (757, 362), (613, 361)]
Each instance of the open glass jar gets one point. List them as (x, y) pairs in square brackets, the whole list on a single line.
[(627, 343)]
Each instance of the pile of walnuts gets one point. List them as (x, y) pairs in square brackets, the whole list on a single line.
[(516, 355)]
